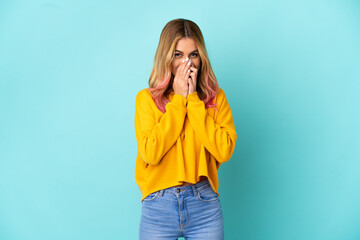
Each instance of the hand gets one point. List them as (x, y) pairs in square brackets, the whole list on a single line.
[(180, 84), (193, 79)]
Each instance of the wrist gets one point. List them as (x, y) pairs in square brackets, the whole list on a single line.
[(192, 91)]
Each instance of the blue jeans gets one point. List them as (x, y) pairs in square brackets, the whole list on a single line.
[(192, 212)]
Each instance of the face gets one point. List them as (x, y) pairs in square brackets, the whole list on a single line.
[(185, 47)]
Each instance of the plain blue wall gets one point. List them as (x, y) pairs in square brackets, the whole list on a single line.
[(69, 74)]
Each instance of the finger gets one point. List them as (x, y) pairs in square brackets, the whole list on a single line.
[(183, 66), (184, 71), (188, 64), (193, 72), (193, 79), (181, 69), (187, 75), (194, 69), (187, 67), (190, 83), (184, 62)]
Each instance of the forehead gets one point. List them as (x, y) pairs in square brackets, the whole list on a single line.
[(186, 45)]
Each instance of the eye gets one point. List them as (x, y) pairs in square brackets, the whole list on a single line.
[(195, 54), (177, 54)]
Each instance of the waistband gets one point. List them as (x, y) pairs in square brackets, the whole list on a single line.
[(185, 190)]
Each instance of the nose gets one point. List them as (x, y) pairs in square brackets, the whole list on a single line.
[(189, 60)]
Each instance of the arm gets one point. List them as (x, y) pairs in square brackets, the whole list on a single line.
[(218, 137), (155, 139)]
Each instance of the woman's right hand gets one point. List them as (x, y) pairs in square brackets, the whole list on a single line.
[(181, 79)]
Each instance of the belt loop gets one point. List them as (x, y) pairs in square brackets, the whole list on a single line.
[(194, 189), (162, 192)]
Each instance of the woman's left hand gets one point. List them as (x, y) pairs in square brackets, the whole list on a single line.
[(192, 79)]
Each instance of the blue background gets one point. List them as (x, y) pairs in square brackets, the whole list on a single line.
[(69, 74)]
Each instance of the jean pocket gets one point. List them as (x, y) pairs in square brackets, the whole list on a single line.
[(207, 194), (151, 196)]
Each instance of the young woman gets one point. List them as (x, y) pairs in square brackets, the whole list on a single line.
[(184, 131)]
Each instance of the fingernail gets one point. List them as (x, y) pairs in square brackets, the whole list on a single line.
[(187, 59), (183, 60)]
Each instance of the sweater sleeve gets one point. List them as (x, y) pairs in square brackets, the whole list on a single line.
[(155, 139), (218, 136)]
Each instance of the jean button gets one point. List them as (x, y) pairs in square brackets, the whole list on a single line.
[(178, 190)]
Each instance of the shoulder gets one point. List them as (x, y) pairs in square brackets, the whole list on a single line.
[(144, 99), (221, 92), (143, 95), (220, 96), (144, 91)]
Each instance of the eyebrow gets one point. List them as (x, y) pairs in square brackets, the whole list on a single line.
[(182, 52)]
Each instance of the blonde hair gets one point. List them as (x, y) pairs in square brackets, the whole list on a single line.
[(161, 78)]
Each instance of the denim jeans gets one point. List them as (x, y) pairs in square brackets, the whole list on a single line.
[(192, 212)]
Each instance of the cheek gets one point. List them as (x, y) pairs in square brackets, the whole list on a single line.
[(175, 64), (197, 63), (173, 67)]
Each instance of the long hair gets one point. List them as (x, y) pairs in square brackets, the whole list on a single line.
[(161, 78)]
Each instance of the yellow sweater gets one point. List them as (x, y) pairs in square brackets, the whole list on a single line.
[(186, 142)]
